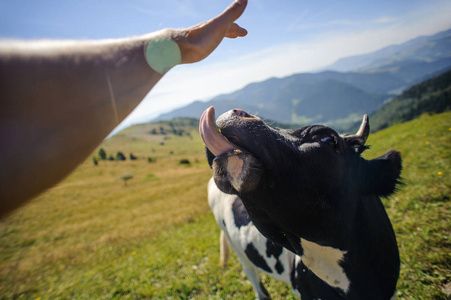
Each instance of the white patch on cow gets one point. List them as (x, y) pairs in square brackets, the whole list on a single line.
[(324, 262), (308, 146), (239, 238)]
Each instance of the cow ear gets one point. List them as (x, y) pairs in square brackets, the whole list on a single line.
[(383, 174), (356, 144)]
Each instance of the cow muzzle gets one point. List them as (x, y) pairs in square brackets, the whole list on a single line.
[(234, 169)]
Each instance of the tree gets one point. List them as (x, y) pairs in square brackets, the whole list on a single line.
[(125, 177), (184, 161), (120, 156), (102, 154), (132, 157)]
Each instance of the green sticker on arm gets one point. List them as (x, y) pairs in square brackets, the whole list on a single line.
[(162, 54)]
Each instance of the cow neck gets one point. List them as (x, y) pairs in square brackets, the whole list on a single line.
[(372, 262), (364, 269)]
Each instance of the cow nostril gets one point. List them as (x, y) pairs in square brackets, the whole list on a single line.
[(241, 113)]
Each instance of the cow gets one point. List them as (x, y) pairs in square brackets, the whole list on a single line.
[(310, 191), (255, 252)]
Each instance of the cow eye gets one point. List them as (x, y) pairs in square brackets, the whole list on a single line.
[(328, 140)]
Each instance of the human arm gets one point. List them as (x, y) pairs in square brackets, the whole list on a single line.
[(59, 100)]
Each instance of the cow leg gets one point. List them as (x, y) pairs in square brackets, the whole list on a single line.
[(248, 268), (253, 274), (224, 250)]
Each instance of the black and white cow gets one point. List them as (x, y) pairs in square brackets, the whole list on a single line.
[(310, 191), (255, 252)]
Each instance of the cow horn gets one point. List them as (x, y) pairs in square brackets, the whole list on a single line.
[(364, 130)]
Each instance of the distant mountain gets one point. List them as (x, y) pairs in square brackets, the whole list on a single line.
[(430, 96), (421, 51), (303, 98), (336, 98)]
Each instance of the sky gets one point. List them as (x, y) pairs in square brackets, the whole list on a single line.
[(285, 36)]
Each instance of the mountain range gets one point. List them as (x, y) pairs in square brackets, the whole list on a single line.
[(340, 95)]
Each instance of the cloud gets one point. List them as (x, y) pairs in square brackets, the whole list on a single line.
[(342, 23), (384, 20)]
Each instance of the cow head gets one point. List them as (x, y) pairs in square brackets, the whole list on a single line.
[(307, 183)]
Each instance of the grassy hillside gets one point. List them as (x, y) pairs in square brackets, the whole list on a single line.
[(91, 237), (430, 96)]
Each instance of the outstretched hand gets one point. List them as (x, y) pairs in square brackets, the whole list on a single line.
[(197, 42), (89, 88)]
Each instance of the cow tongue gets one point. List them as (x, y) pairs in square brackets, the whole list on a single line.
[(213, 139)]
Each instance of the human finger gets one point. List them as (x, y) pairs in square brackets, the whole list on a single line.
[(233, 12), (235, 31)]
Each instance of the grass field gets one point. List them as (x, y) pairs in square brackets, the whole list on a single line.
[(92, 237)]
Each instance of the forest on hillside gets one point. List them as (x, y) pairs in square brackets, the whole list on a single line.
[(430, 96)]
